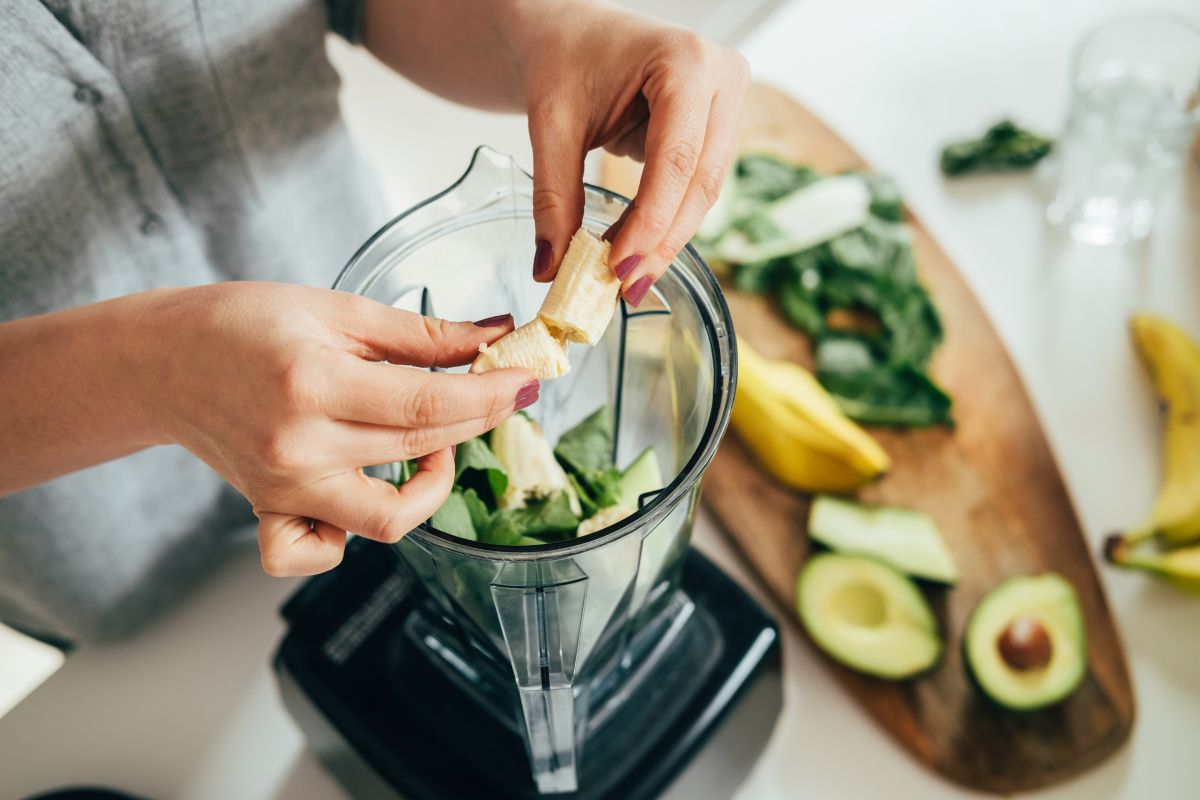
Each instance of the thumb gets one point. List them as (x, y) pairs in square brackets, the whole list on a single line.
[(376, 509), (558, 153)]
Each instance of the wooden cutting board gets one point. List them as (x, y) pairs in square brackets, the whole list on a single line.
[(992, 486)]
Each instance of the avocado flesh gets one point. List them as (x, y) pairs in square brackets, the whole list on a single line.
[(1050, 599), (640, 477), (867, 616), (901, 537)]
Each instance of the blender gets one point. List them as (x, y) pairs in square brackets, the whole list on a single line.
[(599, 666)]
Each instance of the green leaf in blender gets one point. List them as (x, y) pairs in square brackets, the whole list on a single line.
[(587, 447), (477, 510), (1004, 147), (454, 517), (550, 519), (476, 467)]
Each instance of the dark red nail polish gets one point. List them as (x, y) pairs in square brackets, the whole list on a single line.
[(498, 321), (636, 293), (527, 395), (627, 266), (543, 259)]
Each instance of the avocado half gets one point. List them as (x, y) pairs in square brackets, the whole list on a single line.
[(867, 615), (1025, 642)]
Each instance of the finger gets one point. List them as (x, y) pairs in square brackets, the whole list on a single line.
[(403, 397), (674, 141), (376, 509), (631, 142), (719, 146), (362, 443), (402, 337), (298, 546), (558, 151)]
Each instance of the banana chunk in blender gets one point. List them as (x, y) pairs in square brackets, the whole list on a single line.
[(578, 308)]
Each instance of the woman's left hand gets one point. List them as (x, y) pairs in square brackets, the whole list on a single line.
[(597, 76)]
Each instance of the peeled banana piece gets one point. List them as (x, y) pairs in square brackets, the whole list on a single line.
[(531, 346), (797, 431), (533, 472), (603, 517), (578, 308), (583, 297)]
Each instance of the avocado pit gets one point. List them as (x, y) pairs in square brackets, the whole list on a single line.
[(1024, 644)]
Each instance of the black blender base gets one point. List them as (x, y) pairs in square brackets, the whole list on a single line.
[(387, 724)]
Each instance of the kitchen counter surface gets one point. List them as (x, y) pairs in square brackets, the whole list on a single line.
[(189, 710)]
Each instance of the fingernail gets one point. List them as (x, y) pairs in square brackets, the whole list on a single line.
[(627, 266), (527, 395), (636, 293), (542, 260), (498, 321)]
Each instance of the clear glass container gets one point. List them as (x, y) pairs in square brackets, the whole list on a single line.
[(553, 635), (1134, 110)]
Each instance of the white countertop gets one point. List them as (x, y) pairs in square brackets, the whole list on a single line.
[(189, 709)]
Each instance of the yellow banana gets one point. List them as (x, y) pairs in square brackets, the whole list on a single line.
[(796, 430), (1179, 567), (1173, 361)]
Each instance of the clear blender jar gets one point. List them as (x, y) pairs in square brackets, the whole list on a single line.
[(554, 637)]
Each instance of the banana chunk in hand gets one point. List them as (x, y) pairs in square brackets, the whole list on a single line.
[(578, 308), (532, 346), (583, 297)]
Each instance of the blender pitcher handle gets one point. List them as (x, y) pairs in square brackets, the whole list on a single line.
[(540, 622)]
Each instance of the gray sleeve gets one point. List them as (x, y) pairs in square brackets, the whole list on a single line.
[(346, 19)]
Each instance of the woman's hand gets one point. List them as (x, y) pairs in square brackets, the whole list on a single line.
[(589, 75), (283, 391), (598, 76)]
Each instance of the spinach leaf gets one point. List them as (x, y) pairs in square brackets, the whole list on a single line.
[(801, 307), (476, 467), (586, 449), (548, 518), (761, 179), (586, 503), (913, 326), (478, 511), (755, 278), (886, 202), (889, 395), (454, 517), (1005, 146)]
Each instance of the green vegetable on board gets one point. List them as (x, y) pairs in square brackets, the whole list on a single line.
[(1004, 147), (837, 255)]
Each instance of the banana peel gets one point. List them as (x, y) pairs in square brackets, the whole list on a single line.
[(1179, 568), (797, 431)]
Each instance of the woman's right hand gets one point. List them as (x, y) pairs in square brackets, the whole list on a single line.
[(283, 391)]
